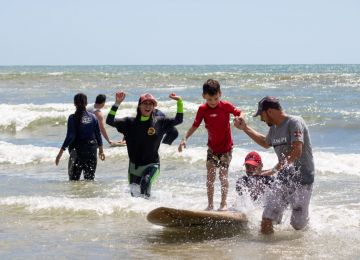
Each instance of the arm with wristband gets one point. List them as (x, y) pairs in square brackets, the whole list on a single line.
[(110, 119), (179, 111)]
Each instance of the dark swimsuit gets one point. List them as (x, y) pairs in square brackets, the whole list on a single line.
[(83, 142), (172, 132)]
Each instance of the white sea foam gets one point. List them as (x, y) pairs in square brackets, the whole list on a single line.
[(325, 162), (18, 117), (338, 163), (331, 219), (55, 73), (99, 205), (352, 114), (23, 154), (122, 203), (177, 88)]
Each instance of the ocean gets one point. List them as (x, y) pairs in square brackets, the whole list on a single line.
[(44, 216)]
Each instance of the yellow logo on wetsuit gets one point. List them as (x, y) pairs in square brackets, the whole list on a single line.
[(151, 131)]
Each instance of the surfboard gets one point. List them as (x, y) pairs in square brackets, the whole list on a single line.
[(172, 217)]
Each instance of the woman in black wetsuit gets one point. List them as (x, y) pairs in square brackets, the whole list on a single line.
[(83, 138), (143, 135)]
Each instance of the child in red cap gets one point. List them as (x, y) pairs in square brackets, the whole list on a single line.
[(253, 184)]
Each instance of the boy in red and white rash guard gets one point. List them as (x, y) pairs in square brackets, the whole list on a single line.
[(216, 115)]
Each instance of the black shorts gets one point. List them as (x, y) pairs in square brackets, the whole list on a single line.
[(83, 160)]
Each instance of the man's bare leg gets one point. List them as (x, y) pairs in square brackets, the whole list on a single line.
[(267, 226)]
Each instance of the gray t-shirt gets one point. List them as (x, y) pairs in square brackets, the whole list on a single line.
[(292, 129)]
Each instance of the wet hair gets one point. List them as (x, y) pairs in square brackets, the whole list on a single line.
[(80, 102), (101, 98), (211, 87)]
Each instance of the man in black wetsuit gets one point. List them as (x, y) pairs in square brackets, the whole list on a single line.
[(143, 135)]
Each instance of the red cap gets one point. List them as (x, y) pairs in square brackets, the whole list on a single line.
[(253, 158), (147, 96)]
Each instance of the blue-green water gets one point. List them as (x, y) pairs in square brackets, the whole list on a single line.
[(45, 215)]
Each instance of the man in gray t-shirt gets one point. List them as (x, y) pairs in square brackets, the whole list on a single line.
[(293, 129), (294, 172)]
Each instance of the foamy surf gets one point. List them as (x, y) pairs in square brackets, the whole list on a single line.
[(21, 116), (26, 154), (18, 117), (122, 203), (325, 162)]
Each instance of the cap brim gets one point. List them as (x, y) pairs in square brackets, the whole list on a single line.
[(152, 100), (257, 113), (253, 163)]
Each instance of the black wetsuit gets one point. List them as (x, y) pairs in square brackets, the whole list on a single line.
[(171, 134), (143, 140), (83, 142)]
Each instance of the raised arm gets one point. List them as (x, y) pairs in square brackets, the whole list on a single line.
[(180, 109), (110, 119)]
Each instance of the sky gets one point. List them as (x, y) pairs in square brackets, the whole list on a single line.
[(174, 32)]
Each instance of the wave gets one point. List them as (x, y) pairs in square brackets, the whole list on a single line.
[(122, 203), (325, 162), (26, 154), (16, 118), (101, 206)]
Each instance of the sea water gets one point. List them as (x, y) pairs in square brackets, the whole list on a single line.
[(43, 215)]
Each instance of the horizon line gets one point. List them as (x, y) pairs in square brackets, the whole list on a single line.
[(221, 64)]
